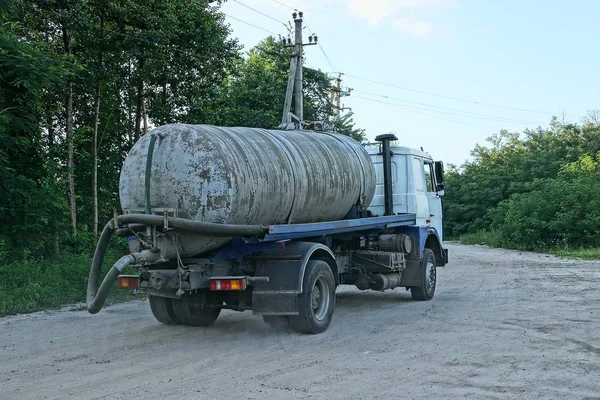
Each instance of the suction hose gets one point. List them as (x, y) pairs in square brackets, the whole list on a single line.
[(96, 299), (203, 228), (97, 293)]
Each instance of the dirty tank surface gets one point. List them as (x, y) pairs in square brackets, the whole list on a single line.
[(503, 325), (247, 176)]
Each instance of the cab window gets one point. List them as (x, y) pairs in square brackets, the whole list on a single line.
[(418, 176), (428, 171)]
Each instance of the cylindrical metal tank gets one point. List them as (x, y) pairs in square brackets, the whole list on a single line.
[(247, 176)]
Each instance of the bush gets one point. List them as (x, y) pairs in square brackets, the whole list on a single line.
[(32, 285), (557, 213)]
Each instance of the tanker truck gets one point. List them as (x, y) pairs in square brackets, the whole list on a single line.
[(270, 221)]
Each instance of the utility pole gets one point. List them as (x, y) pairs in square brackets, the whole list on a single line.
[(295, 76), (337, 93), (298, 85)]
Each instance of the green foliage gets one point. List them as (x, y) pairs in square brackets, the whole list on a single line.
[(535, 191), (30, 205), (32, 285), (345, 125), (255, 95), (494, 239), (555, 213), (487, 238), (584, 253)]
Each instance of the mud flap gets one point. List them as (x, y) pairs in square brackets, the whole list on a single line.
[(411, 276), (278, 295), (285, 270), (274, 303)]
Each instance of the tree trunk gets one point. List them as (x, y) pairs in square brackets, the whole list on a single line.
[(95, 132), (69, 128), (128, 95), (145, 117), (95, 160), (139, 101), (70, 168)]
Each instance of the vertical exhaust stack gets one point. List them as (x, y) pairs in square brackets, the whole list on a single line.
[(387, 170)]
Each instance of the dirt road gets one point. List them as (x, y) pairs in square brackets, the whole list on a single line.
[(503, 324)]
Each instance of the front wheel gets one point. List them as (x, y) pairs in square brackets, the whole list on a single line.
[(317, 301), (428, 278)]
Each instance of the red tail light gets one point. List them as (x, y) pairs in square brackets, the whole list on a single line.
[(228, 284)]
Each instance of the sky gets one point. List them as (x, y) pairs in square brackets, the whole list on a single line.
[(445, 74)]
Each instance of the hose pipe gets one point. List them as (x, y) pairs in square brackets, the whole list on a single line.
[(97, 296), (97, 293), (94, 278)]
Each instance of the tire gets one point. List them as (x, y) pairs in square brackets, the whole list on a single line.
[(316, 303), (428, 275), (277, 323), (162, 309), (191, 309)]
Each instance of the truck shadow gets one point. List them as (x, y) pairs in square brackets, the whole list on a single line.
[(349, 304), (369, 299)]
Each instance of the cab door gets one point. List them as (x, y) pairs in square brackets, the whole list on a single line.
[(434, 201), (418, 195)]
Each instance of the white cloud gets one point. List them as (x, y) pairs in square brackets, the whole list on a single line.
[(376, 11), (411, 27)]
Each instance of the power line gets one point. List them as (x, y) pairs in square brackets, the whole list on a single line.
[(456, 111), (328, 60), (448, 97), (322, 50), (423, 92), (309, 64), (335, 69), (248, 23), (285, 5), (419, 112), (259, 12)]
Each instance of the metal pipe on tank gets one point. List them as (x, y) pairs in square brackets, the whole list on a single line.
[(387, 171)]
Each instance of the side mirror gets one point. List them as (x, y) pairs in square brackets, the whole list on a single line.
[(439, 177)]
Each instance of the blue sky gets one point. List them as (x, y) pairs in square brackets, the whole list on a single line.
[(532, 55)]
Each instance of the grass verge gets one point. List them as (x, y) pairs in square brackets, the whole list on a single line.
[(586, 254), (493, 239), (28, 286)]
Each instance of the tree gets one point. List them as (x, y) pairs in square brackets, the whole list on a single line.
[(254, 96), (345, 125), (521, 183), (117, 60), (30, 203)]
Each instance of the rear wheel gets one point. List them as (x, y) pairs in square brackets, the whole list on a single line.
[(428, 278), (162, 309), (316, 303), (195, 310)]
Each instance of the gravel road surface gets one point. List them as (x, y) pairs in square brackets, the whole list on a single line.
[(503, 324)]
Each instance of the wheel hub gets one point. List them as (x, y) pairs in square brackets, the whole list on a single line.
[(320, 298), (430, 277)]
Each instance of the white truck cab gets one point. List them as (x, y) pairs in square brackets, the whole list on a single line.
[(415, 189)]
